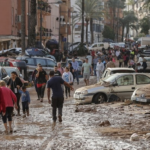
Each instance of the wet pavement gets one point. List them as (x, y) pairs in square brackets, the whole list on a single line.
[(85, 128)]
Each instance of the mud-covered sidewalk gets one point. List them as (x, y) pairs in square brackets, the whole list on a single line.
[(89, 127)]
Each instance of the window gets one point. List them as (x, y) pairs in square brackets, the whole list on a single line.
[(142, 79), (41, 61), (105, 74), (30, 61), (125, 80), (94, 45), (100, 45), (50, 63)]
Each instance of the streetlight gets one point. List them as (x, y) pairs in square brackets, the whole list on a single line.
[(58, 2)]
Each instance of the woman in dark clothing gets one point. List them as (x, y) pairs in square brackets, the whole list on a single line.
[(71, 69), (15, 84)]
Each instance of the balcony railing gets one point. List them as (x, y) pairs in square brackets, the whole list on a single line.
[(44, 6)]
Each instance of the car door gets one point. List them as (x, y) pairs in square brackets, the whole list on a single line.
[(141, 80), (50, 65), (148, 63), (125, 86)]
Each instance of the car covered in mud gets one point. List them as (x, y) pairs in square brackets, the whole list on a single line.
[(141, 94), (109, 71), (120, 84)]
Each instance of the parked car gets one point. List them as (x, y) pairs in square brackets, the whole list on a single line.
[(3, 75), (122, 85), (32, 62), (9, 70), (39, 52), (141, 94), (145, 53), (16, 51), (21, 65), (109, 71), (99, 46)]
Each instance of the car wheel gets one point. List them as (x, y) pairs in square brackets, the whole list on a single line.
[(100, 98)]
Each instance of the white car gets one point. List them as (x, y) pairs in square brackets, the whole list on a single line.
[(109, 71), (121, 85), (141, 94), (98, 46)]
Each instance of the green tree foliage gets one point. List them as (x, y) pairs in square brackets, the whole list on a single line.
[(145, 24), (108, 33)]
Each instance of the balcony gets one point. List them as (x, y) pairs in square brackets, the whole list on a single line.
[(46, 33), (44, 7)]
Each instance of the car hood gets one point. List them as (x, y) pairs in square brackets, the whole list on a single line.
[(92, 88)]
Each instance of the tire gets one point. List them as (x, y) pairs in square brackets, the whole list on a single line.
[(99, 98)]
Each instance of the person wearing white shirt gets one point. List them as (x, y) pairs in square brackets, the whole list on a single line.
[(99, 69), (67, 77)]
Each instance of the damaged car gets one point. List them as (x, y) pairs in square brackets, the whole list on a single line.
[(141, 94), (120, 84)]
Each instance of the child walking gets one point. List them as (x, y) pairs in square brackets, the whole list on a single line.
[(25, 97)]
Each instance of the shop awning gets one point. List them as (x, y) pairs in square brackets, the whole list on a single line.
[(4, 40)]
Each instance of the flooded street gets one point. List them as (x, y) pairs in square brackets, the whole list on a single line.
[(106, 126)]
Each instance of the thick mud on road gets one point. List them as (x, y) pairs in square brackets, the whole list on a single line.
[(89, 127)]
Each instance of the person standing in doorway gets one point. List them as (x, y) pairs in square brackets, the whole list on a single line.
[(75, 66), (87, 70), (67, 77), (41, 82), (57, 98), (15, 84), (99, 69)]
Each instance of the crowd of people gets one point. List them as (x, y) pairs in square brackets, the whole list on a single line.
[(60, 81)]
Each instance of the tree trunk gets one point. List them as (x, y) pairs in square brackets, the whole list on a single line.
[(87, 23), (23, 26), (32, 24), (127, 31), (91, 29), (114, 14), (82, 32), (122, 33)]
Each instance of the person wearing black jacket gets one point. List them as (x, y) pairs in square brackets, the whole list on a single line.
[(34, 80), (15, 84)]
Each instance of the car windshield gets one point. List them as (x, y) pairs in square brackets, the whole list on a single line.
[(122, 71), (111, 78)]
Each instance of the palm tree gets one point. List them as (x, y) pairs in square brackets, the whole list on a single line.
[(115, 5), (32, 23), (23, 26), (92, 10), (128, 21)]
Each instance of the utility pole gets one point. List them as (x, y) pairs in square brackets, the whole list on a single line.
[(23, 26), (82, 33), (41, 25)]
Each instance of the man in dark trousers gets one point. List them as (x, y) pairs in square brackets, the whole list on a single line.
[(55, 83)]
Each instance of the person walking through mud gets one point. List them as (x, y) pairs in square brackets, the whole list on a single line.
[(99, 69), (67, 77), (41, 82), (75, 66), (87, 70), (15, 84), (58, 97), (34, 80), (7, 101)]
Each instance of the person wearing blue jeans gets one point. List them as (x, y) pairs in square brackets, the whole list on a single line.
[(75, 66), (95, 60)]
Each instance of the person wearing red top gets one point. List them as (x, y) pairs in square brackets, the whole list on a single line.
[(2, 104), (8, 98)]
